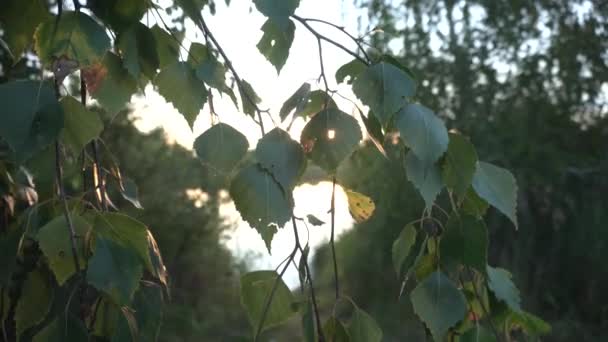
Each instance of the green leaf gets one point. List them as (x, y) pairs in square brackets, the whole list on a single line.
[(9, 244), (351, 70), (114, 86), (312, 219), (128, 190), (77, 37), (282, 157), (477, 334), (374, 130), (249, 98), (329, 137), (80, 125), (148, 305), (277, 9), (56, 244), (192, 8), (439, 304), (233, 144), (425, 177), (529, 323), (473, 204), (206, 65), (465, 241), (138, 48), (402, 247), (119, 14), (363, 328), (17, 32), (460, 163), (65, 327), (35, 301), (308, 323), (24, 104), (423, 132), (334, 331), (499, 281), (260, 200), (299, 98), (385, 89), (313, 103), (276, 41), (497, 186), (167, 47), (256, 288), (178, 84), (114, 269)]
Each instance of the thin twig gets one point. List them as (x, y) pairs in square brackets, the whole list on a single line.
[(333, 42), (331, 239)]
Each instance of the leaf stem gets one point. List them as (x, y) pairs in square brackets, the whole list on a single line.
[(331, 239)]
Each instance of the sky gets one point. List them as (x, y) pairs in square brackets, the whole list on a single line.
[(237, 28)]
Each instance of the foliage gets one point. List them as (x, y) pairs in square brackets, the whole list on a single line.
[(106, 258)]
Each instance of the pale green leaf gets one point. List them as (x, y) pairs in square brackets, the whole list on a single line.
[(497, 186), (56, 244), (178, 84), (233, 144), (499, 281), (282, 157), (425, 177), (402, 247), (77, 37), (459, 164), (80, 124), (363, 328), (439, 304), (385, 89), (423, 132), (128, 190), (330, 137), (296, 100), (276, 41), (138, 48), (35, 301), (351, 70), (113, 85), (255, 292), (465, 241)]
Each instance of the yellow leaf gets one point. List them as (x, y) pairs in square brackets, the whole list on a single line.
[(360, 206)]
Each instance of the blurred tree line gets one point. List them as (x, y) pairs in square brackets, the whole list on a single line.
[(528, 81)]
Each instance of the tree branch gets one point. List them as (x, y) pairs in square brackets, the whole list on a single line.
[(331, 239)]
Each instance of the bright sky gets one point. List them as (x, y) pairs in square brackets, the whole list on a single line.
[(237, 28)]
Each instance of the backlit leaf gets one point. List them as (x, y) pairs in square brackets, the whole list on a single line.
[(460, 163), (312, 219), (138, 48), (313, 103), (477, 334), (114, 84), (334, 331), (385, 89), (350, 70), (402, 247), (80, 125), (249, 98), (276, 41), (167, 47), (295, 100), (330, 137), (439, 304), (360, 206), (423, 132), (17, 32), (282, 157), (497, 186), (255, 292), (425, 177), (119, 14), (233, 144)]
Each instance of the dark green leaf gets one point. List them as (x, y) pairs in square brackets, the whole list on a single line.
[(374, 131), (465, 241), (192, 8), (302, 264), (178, 84), (313, 103), (425, 177), (249, 98), (256, 288), (114, 269), (80, 125), (459, 165), (385, 89), (392, 60), (330, 137), (233, 144), (64, 327), (138, 48), (402, 246), (438, 303), (167, 47), (119, 14), (363, 328), (529, 323), (474, 205), (56, 244), (334, 331), (499, 281), (276, 41), (148, 305), (477, 334), (77, 37), (110, 84), (308, 323), (260, 201), (17, 32), (282, 157), (351, 70), (208, 68), (9, 243), (299, 98), (35, 301), (278, 10), (423, 132), (497, 186), (312, 219)]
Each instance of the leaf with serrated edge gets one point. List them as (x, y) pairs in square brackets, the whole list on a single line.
[(497, 186), (499, 281), (425, 177), (282, 157), (459, 164), (423, 132), (402, 246), (233, 144)]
